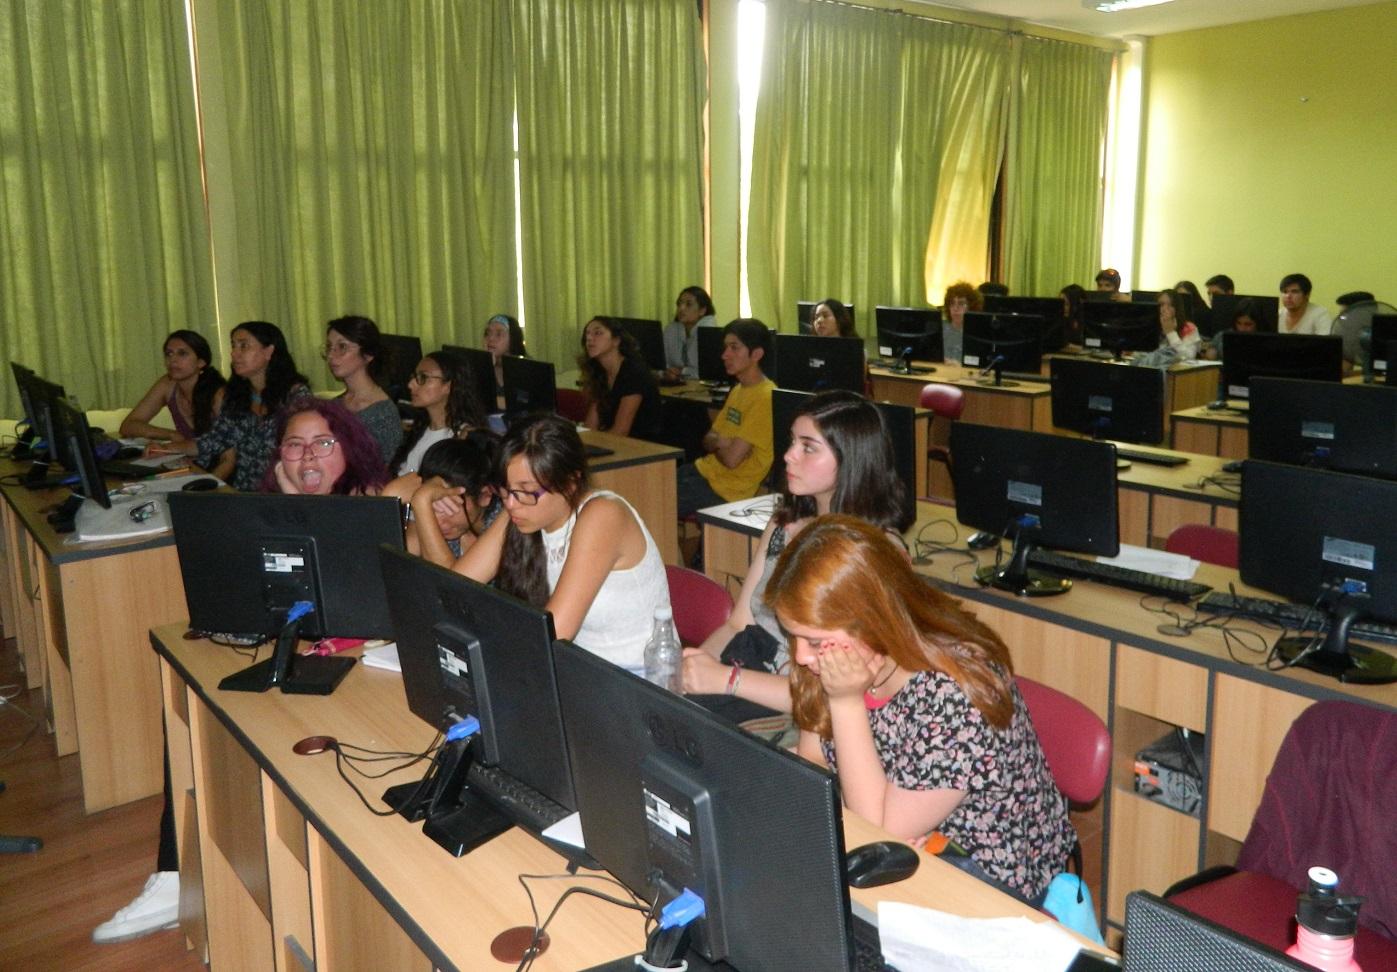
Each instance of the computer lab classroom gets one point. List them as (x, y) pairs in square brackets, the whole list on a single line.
[(1191, 558)]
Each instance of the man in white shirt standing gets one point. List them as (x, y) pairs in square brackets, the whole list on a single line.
[(1299, 315)]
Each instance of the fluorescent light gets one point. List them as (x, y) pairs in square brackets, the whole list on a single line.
[(1113, 6)]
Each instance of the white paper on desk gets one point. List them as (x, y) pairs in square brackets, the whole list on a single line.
[(1153, 561), (920, 939), (384, 656), (567, 831)]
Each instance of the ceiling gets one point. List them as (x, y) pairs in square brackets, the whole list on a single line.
[(1166, 18)]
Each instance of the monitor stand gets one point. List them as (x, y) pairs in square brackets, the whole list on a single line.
[(997, 366), (296, 675), (1334, 656), (1017, 576), (457, 819)]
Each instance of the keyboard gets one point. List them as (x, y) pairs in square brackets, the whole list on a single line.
[(1033, 376), (1153, 458), (1288, 615), (1132, 580), (868, 947), (517, 801)]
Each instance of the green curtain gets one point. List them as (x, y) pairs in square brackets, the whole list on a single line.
[(370, 156), (1054, 166), (103, 240), (610, 107), (823, 156)]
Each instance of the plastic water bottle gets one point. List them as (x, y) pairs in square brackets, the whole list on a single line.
[(1325, 924), (663, 653)]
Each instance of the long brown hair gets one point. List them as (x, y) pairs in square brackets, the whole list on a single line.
[(843, 573)]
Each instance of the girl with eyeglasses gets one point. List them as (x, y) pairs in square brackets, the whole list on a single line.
[(464, 468), (322, 449), (355, 355), (582, 554), (191, 388), (441, 390)]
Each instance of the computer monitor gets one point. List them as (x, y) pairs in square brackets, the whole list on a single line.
[(1138, 296), (530, 385), (1266, 309), (805, 309), (673, 797), (899, 421), (1042, 490), (1106, 400), (1325, 425), (467, 649), (650, 335), (69, 424), (402, 352), (1118, 327), (909, 334), (1326, 539), (1050, 309), (23, 376), (1382, 345), (1002, 342), (481, 364), (805, 362), (1162, 937), (1314, 357), (710, 357)]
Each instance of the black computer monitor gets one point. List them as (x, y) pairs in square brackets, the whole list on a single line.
[(467, 649), (899, 422), (1382, 345), (1314, 357), (1325, 425), (805, 362), (69, 424), (22, 377), (1118, 327), (1162, 937), (401, 352), (710, 357), (1266, 310), (481, 365), (1002, 342), (805, 309), (650, 335), (530, 385), (1138, 296), (673, 797), (909, 334), (1042, 490), (1050, 309), (1326, 539), (49, 446), (1106, 400)]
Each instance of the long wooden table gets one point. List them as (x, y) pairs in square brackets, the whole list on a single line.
[(644, 473), (1107, 648), (278, 859), (1213, 432), (1154, 500)]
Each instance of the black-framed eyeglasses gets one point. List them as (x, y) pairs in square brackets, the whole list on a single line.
[(295, 449), (524, 497), (143, 512)]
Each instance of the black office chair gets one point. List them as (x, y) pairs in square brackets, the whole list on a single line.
[(18, 845)]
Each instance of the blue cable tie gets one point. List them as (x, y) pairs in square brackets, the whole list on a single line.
[(299, 610), (464, 729), (682, 910)]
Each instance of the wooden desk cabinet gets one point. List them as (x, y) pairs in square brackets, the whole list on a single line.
[(1210, 433)]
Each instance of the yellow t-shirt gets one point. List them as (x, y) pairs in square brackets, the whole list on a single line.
[(746, 414)]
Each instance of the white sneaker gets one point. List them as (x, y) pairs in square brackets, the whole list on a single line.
[(156, 908)]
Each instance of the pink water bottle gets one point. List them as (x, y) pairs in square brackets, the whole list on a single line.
[(1325, 924)]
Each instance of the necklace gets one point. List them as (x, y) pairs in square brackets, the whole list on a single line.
[(871, 700)]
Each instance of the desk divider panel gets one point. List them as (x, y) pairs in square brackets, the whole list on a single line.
[(1249, 722), (353, 932), (288, 868)]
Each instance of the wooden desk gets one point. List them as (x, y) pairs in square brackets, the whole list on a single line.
[(1154, 500), (277, 856), (1211, 433), (1027, 405), (644, 473), (80, 614)]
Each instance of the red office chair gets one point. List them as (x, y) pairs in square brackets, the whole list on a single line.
[(1074, 740), (700, 604), (1328, 801), (572, 404), (946, 402), (1211, 544)]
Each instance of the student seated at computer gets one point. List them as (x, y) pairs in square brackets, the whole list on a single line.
[(465, 468), (1199, 311), (738, 445), (323, 449), (1219, 283), (239, 445), (503, 336), (1178, 337), (355, 355), (1244, 321), (191, 388), (1300, 316), (693, 309), (830, 318), (441, 391), (583, 554), (960, 297), (622, 395), (1108, 281), (913, 702), (840, 461), (1072, 296)]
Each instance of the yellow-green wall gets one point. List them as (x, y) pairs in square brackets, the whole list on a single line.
[(1271, 148)]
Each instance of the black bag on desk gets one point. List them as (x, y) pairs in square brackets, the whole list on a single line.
[(754, 649)]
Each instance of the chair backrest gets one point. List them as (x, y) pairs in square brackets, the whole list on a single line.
[(700, 604), (572, 404), (1074, 739), (1211, 544), (947, 401)]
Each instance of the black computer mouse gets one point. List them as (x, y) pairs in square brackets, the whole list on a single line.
[(880, 863), (982, 540), (199, 485)]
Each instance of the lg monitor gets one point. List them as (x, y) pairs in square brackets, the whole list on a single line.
[(899, 423), (1382, 344), (710, 357), (481, 364), (530, 386), (70, 426), (1002, 342), (403, 352), (907, 334), (1106, 400), (805, 309), (672, 797), (1224, 309), (1162, 937), (1325, 425), (1041, 490), (805, 362), (1118, 327), (1329, 540), (1050, 309), (1313, 357), (649, 335)]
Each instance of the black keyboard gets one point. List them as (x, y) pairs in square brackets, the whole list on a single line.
[(517, 801), (1131, 580), (1296, 617), (868, 947), (1153, 458), (1033, 376)]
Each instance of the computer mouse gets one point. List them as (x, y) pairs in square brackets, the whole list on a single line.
[(199, 485), (880, 863), (1234, 466), (981, 540)]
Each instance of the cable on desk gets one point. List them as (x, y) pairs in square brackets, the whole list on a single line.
[(635, 904), (1233, 638), (765, 506), (342, 759)]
